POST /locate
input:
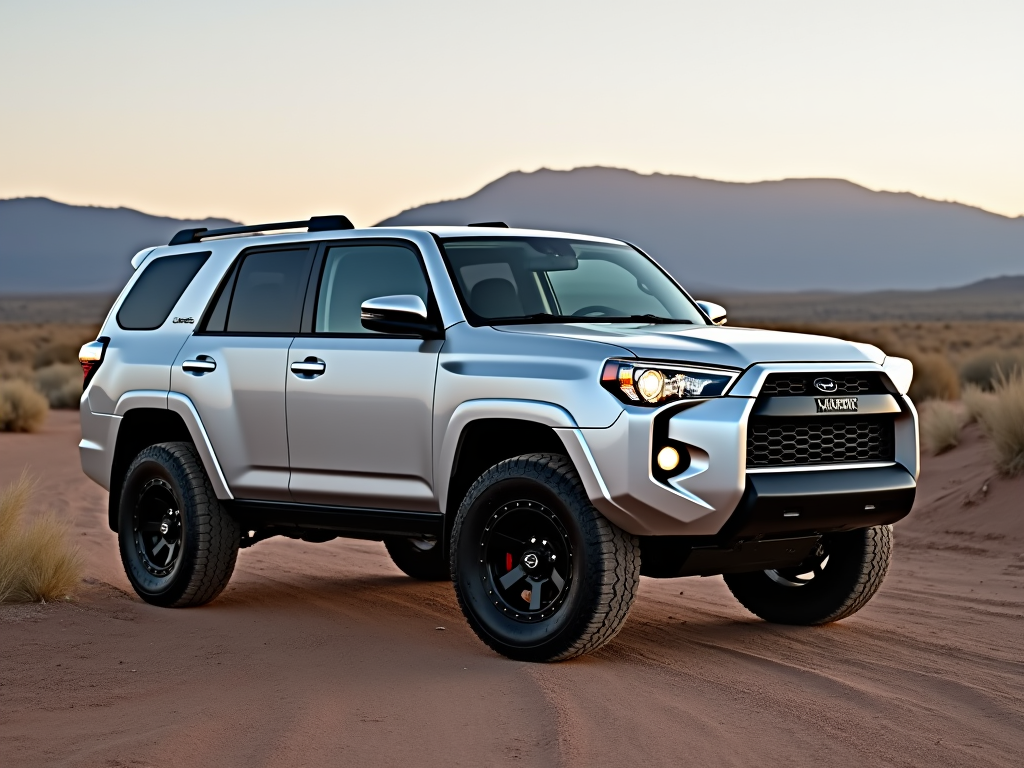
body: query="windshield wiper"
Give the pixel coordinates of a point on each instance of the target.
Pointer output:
(648, 318)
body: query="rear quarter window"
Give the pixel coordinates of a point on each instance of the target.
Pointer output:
(154, 294)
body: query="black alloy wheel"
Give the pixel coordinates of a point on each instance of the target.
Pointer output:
(835, 581)
(157, 528)
(528, 559)
(539, 573)
(178, 544)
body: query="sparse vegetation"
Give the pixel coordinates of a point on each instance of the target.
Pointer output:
(37, 563)
(22, 408)
(935, 378)
(43, 357)
(941, 423)
(1001, 415)
(984, 369)
(60, 384)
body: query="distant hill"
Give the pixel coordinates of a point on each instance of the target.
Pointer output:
(999, 298)
(48, 247)
(790, 235)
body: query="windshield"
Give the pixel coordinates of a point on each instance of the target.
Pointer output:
(545, 279)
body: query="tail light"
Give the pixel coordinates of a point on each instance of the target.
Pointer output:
(90, 356)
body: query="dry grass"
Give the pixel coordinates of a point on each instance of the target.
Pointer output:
(941, 423)
(984, 369)
(1001, 415)
(45, 356)
(22, 408)
(60, 384)
(37, 345)
(37, 562)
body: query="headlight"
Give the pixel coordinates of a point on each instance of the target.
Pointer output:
(657, 383)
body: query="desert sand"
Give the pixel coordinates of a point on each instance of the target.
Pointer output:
(324, 654)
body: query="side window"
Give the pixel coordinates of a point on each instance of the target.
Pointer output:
(354, 273)
(268, 292)
(157, 290)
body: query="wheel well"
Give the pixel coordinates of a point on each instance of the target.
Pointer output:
(140, 428)
(485, 442)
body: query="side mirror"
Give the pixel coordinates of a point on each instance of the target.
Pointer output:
(716, 312)
(404, 314)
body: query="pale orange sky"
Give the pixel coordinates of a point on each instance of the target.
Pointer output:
(264, 111)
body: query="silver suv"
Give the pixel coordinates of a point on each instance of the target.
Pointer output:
(541, 417)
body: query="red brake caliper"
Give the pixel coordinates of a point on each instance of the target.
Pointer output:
(508, 561)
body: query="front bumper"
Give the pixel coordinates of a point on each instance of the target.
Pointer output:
(716, 495)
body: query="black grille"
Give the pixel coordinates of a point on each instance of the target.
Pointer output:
(784, 384)
(777, 442)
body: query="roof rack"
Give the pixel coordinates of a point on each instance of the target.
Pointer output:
(314, 224)
(492, 224)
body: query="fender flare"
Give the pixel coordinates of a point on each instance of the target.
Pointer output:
(183, 406)
(546, 414)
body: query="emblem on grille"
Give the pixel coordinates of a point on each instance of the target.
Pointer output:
(835, 404)
(825, 385)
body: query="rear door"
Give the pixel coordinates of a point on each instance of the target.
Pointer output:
(360, 402)
(233, 368)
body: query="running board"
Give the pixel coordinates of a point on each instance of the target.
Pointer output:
(290, 517)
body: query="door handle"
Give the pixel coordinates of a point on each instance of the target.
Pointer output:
(310, 367)
(202, 364)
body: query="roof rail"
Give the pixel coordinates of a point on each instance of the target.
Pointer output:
(491, 224)
(315, 224)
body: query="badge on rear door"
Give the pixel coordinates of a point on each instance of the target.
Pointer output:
(836, 404)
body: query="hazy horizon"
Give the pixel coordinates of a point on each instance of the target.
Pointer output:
(256, 111)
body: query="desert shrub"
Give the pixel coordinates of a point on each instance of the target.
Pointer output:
(976, 402)
(37, 562)
(935, 378)
(61, 384)
(13, 371)
(1001, 415)
(940, 425)
(22, 408)
(983, 369)
(37, 345)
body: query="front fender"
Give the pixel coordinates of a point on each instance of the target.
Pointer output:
(547, 414)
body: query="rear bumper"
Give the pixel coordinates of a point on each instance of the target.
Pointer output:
(821, 502)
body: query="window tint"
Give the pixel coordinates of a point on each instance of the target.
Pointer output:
(269, 291)
(605, 283)
(157, 290)
(354, 273)
(535, 279)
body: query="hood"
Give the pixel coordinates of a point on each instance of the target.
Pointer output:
(711, 345)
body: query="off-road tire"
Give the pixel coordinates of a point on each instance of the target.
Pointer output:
(597, 590)
(414, 560)
(208, 535)
(858, 561)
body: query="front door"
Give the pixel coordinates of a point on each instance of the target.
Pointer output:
(360, 402)
(233, 368)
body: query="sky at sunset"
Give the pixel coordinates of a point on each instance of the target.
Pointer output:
(266, 111)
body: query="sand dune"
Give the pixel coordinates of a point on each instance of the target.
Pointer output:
(323, 654)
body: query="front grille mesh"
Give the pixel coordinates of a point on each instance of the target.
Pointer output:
(785, 384)
(777, 442)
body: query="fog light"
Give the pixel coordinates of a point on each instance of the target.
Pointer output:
(668, 458)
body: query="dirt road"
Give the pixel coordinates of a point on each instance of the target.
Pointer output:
(324, 654)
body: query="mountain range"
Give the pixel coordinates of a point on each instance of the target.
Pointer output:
(715, 237)
(789, 235)
(48, 247)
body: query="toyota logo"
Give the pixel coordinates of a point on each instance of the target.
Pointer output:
(531, 561)
(826, 385)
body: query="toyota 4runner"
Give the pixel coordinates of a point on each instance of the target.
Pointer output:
(541, 417)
